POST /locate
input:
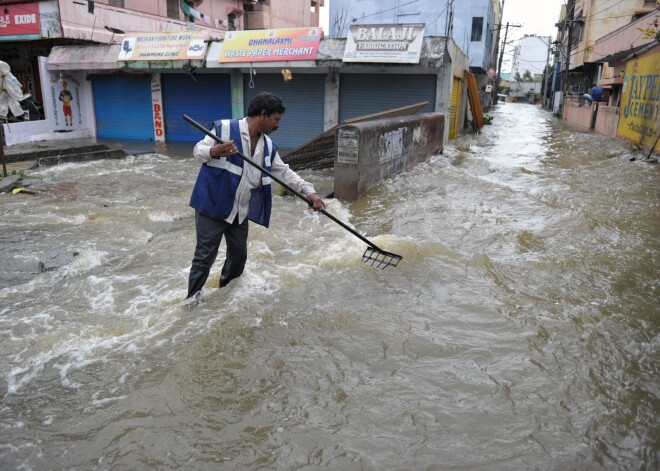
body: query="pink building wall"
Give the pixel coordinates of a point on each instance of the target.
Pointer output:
(574, 113)
(607, 120)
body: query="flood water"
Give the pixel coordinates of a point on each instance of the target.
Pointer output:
(520, 331)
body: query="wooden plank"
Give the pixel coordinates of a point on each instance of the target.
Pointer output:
(475, 103)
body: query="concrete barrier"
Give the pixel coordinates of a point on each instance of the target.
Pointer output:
(368, 152)
(582, 115)
(607, 120)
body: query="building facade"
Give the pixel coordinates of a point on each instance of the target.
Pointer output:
(94, 31)
(471, 23)
(625, 62)
(587, 21)
(140, 84)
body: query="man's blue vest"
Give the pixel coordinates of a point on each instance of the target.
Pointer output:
(218, 179)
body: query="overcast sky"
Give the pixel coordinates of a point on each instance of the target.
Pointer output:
(536, 16)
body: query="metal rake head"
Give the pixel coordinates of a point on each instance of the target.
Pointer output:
(380, 258)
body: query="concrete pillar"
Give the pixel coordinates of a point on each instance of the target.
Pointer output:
(331, 100)
(237, 103)
(370, 151)
(443, 94)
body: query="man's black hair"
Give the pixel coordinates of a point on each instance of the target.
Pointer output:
(267, 102)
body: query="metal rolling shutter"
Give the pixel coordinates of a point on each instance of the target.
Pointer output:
(122, 106)
(205, 100)
(303, 99)
(364, 94)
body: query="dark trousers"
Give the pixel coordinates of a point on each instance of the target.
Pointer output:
(209, 235)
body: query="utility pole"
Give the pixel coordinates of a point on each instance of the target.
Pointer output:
(567, 58)
(495, 55)
(449, 23)
(499, 66)
(546, 73)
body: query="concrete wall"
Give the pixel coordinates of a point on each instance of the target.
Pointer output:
(607, 120)
(368, 152)
(574, 113)
(53, 127)
(139, 15)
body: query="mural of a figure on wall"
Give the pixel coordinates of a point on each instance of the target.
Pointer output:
(66, 98)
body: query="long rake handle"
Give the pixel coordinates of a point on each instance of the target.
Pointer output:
(299, 195)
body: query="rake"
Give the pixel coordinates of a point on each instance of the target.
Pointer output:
(373, 255)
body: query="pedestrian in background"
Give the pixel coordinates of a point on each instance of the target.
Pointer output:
(595, 94)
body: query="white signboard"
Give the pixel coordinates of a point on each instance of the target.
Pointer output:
(347, 146)
(387, 43)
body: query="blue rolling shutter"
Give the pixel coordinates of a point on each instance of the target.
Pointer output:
(363, 94)
(122, 106)
(303, 99)
(205, 100)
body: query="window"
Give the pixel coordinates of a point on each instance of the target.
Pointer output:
(576, 33)
(233, 22)
(173, 9)
(116, 3)
(477, 28)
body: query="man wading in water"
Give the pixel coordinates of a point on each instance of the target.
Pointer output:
(229, 191)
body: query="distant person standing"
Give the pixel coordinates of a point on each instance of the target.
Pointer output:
(595, 94)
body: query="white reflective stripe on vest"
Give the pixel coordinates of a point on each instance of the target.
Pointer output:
(224, 131)
(266, 181)
(224, 163)
(267, 161)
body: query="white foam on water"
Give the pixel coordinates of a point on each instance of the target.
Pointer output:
(99, 402)
(85, 261)
(161, 216)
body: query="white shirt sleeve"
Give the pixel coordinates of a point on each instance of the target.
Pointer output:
(291, 178)
(202, 150)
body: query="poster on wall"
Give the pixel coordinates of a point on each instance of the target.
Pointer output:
(639, 118)
(387, 43)
(64, 102)
(20, 22)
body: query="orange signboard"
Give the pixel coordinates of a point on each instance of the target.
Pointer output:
(164, 46)
(271, 45)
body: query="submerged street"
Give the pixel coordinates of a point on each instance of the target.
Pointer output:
(520, 331)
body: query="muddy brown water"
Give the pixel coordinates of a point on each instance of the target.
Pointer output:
(521, 330)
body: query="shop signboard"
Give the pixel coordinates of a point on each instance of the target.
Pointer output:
(639, 118)
(386, 43)
(271, 45)
(20, 22)
(164, 46)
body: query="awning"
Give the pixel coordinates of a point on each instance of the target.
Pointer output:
(627, 54)
(95, 57)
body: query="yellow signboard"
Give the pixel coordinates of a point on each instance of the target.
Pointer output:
(639, 119)
(181, 45)
(271, 45)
